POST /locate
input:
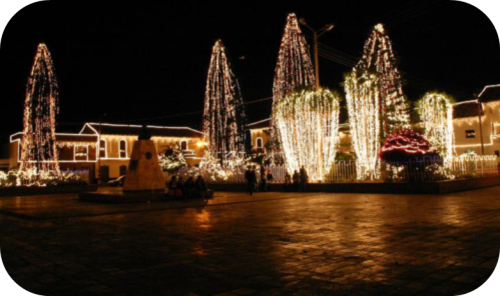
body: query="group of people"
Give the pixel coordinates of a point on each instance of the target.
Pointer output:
(190, 189)
(297, 182)
(258, 184)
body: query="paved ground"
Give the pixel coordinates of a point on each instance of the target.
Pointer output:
(271, 244)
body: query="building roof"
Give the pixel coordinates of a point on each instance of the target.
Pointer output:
(133, 130)
(490, 93)
(466, 109)
(266, 123)
(60, 137)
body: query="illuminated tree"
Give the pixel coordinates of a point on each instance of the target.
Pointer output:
(224, 117)
(378, 57)
(364, 107)
(294, 70)
(405, 145)
(436, 114)
(38, 148)
(308, 122)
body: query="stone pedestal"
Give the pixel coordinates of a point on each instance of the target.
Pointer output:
(144, 172)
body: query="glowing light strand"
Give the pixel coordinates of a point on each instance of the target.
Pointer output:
(224, 117)
(378, 57)
(308, 122)
(294, 70)
(39, 150)
(364, 108)
(436, 114)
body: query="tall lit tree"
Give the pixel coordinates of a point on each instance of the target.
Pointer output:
(364, 106)
(378, 57)
(38, 148)
(224, 117)
(436, 114)
(294, 70)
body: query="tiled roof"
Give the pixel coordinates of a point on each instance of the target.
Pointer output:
(490, 93)
(133, 130)
(466, 109)
(266, 123)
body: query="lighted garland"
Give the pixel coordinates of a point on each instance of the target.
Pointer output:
(436, 114)
(364, 107)
(224, 117)
(38, 148)
(308, 122)
(378, 57)
(294, 70)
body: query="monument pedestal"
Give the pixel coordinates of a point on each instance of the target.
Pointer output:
(144, 172)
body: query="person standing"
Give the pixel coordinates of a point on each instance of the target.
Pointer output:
(288, 182)
(251, 179)
(304, 178)
(296, 181)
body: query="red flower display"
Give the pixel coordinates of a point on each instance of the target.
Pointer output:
(404, 145)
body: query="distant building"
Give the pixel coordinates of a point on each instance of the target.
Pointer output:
(466, 118)
(110, 145)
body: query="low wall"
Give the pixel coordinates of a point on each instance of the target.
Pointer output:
(20, 191)
(441, 187)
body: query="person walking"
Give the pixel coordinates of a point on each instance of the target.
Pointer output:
(251, 179)
(304, 178)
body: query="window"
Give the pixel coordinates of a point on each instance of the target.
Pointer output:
(102, 149)
(82, 153)
(122, 148)
(469, 134)
(497, 153)
(184, 145)
(260, 143)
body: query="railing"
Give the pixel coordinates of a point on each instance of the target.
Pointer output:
(429, 169)
(30, 179)
(341, 171)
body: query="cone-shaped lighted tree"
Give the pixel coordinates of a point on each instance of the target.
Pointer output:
(364, 105)
(436, 114)
(378, 57)
(294, 70)
(38, 148)
(224, 117)
(374, 89)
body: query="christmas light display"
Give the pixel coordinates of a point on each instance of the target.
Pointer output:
(378, 57)
(38, 148)
(173, 159)
(224, 117)
(436, 114)
(364, 107)
(308, 122)
(294, 70)
(404, 145)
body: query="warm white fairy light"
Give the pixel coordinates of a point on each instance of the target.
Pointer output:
(224, 116)
(436, 114)
(364, 106)
(308, 122)
(378, 57)
(38, 148)
(294, 70)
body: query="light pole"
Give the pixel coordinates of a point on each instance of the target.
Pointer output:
(316, 35)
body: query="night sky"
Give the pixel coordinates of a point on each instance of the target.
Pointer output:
(137, 63)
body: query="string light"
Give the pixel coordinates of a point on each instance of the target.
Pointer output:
(436, 114)
(364, 106)
(308, 122)
(378, 57)
(294, 70)
(224, 116)
(39, 150)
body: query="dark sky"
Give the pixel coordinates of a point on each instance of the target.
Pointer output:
(135, 62)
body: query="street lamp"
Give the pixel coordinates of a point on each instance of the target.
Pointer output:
(316, 35)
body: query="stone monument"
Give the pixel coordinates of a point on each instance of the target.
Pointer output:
(144, 172)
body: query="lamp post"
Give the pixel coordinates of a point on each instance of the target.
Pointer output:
(316, 35)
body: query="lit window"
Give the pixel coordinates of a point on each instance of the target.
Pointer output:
(260, 143)
(102, 149)
(469, 134)
(81, 153)
(123, 149)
